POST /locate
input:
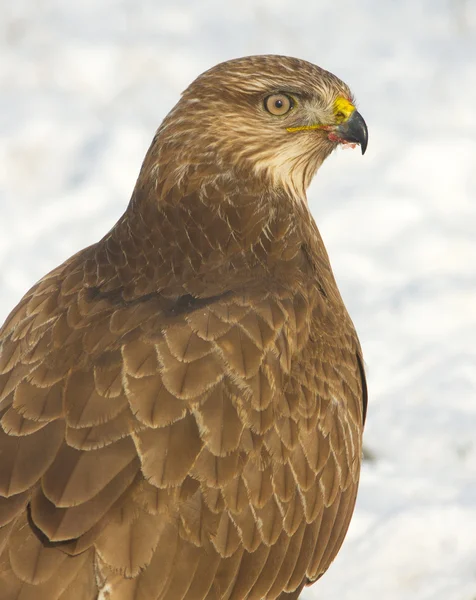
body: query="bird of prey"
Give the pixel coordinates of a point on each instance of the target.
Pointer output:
(182, 403)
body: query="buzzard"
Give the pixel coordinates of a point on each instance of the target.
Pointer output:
(182, 403)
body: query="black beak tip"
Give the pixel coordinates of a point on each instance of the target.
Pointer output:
(355, 130)
(363, 146)
(358, 128)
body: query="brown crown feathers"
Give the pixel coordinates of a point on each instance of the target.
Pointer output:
(182, 403)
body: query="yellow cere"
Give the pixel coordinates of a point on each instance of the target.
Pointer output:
(342, 109)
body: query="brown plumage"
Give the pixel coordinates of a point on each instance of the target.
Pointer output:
(182, 403)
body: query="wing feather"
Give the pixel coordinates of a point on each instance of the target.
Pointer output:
(201, 453)
(22, 464)
(30, 560)
(166, 458)
(251, 567)
(76, 476)
(129, 540)
(272, 567)
(59, 523)
(84, 406)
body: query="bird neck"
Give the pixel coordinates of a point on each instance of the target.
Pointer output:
(202, 234)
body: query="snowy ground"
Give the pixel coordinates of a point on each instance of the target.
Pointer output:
(83, 85)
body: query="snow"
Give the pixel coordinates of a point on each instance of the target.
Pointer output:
(84, 85)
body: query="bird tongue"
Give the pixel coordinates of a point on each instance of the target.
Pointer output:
(335, 138)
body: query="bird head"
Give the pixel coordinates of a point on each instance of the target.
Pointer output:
(272, 116)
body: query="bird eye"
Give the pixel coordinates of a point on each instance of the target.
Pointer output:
(279, 104)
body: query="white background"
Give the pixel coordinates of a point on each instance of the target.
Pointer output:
(83, 86)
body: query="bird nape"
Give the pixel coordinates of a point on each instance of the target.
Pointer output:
(182, 403)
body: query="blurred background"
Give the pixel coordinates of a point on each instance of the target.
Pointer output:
(84, 85)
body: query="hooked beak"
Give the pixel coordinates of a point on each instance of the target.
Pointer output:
(354, 131)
